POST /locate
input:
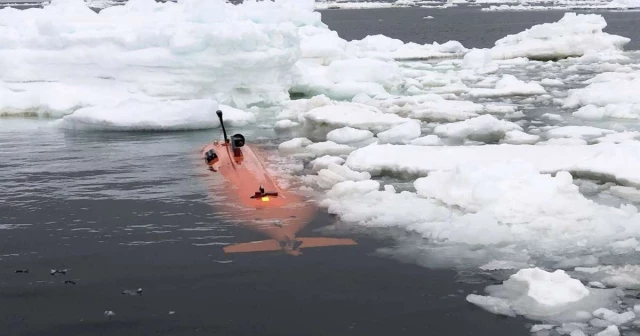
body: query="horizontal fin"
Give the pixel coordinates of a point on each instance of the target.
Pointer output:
(274, 245)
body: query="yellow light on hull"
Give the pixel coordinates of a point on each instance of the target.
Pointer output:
(265, 199)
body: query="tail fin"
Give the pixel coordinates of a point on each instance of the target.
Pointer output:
(322, 242)
(256, 246)
(274, 245)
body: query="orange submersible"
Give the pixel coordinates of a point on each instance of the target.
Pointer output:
(256, 201)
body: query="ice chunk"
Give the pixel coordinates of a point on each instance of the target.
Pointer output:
(628, 193)
(285, 124)
(591, 57)
(625, 276)
(483, 128)
(347, 135)
(597, 284)
(293, 109)
(365, 71)
(517, 137)
(624, 4)
(334, 173)
(502, 265)
(573, 35)
(344, 79)
(613, 91)
(509, 85)
(619, 137)
(540, 327)
(400, 133)
(499, 109)
(328, 148)
(547, 296)
(582, 132)
(445, 110)
(321, 45)
(614, 317)
(477, 58)
(589, 260)
(352, 188)
(626, 245)
(618, 161)
(619, 111)
(383, 47)
(511, 193)
(294, 144)
(187, 50)
(429, 140)
(609, 331)
(162, 115)
(430, 107)
(324, 161)
(491, 304)
(353, 115)
(493, 204)
(552, 116)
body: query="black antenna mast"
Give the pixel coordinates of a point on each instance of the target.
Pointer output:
(224, 131)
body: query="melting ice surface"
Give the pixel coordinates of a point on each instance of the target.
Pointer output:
(495, 160)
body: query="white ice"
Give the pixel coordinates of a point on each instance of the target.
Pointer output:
(163, 115)
(335, 173)
(582, 132)
(571, 36)
(402, 133)
(607, 95)
(161, 49)
(483, 128)
(428, 140)
(509, 85)
(324, 161)
(541, 295)
(428, 107)
(516, 137)
(354, 115)
(346, 135)
(619, 162)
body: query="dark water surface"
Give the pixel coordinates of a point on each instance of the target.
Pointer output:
(468, 25)
(129, 210)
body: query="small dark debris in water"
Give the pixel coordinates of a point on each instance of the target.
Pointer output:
(70, 282)
(22, 271)
(56, 272)
(132, 292)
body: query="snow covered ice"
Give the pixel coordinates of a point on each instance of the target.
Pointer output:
(552, 296)
(573, 35)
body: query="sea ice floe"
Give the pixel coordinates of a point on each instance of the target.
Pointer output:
(548, 296)
(572, 36)
(159, 115)
(484, 128)
(619, 162)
